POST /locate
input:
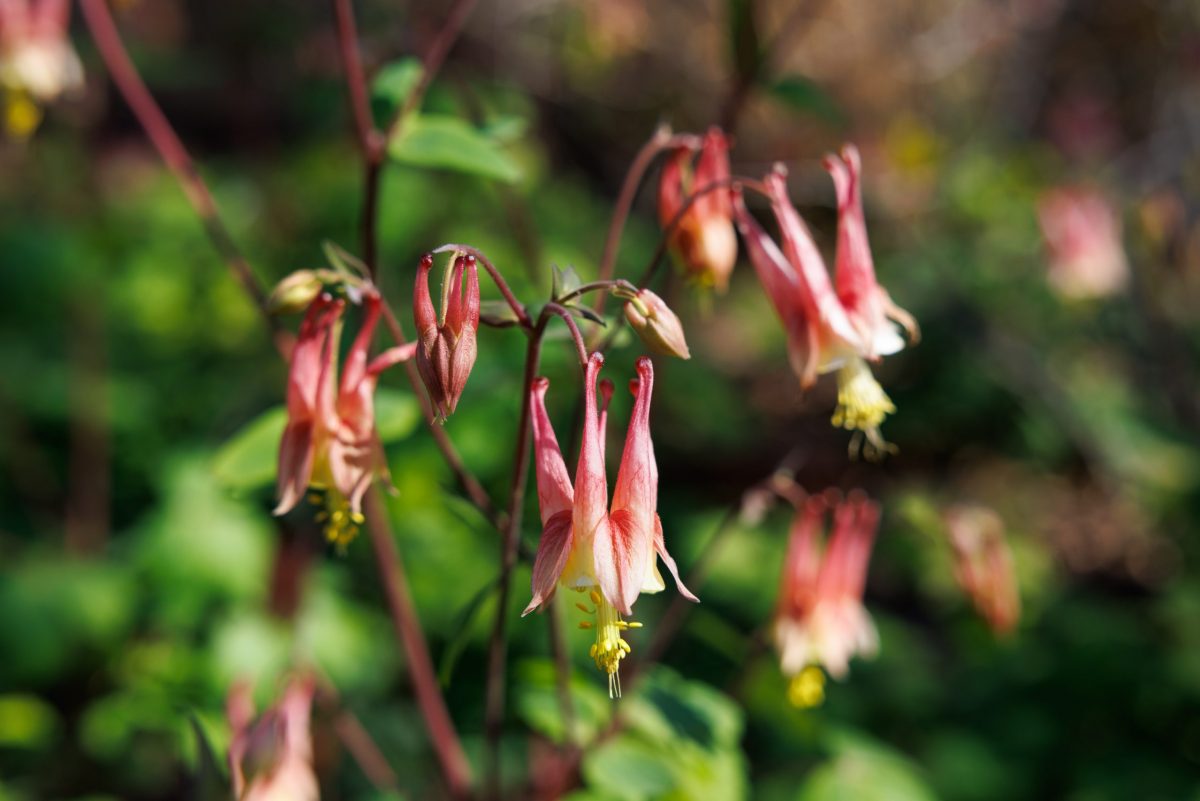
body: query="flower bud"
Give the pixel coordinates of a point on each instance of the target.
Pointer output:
(447, 348)
(703, 238)
(295, 292)
(658, 326)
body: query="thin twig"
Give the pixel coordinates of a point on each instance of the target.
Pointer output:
(431, 63)
(662, 139)
(475, 491)
(573, 327)
(592, 286)
(497, 648)
(169, 146)
(442, 734)
(498, 279)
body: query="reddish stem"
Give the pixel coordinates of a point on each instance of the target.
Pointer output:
(573, 327)
(661, 140)
(436, 53)
(170, 148)
(497, 649)
(420, 666)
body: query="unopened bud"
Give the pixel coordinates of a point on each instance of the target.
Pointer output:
(658, 326)
(295, 292)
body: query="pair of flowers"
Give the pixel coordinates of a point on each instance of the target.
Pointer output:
(330, 442)
(830, 325)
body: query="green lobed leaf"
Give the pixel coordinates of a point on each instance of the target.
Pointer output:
(439, 141)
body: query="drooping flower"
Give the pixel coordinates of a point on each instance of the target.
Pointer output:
(831, 325)
(1083, 242)
(983, 564)
(271, 759)
(820, 621)
(330, 443)
(37, 61)
(609, 552)
(657, 326)
(703, 240)
(447, 350)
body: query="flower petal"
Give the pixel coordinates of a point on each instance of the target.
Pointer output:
(555, 494)
(660, 547)
(554, 549)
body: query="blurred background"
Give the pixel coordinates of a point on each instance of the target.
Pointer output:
(1031, 185)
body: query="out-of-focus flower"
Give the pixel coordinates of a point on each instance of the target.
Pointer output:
(820, 621)
(703, 240)
(831, 325)
(37, 62)
(658, 326)
(983, 564)
(1083, 243)
(330, 442)
(609, 553)
(271, 759)
(447, 352)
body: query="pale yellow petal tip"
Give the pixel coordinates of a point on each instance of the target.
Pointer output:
(806, 690)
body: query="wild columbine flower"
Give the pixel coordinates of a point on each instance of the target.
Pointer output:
(609, 553)
(447, 350)
(271, 759)
(330, 442)
(1083, 242)
(657, 326)
(704, 239)
(820, 621)
(37, 62)
(831, 325)
(983, 564)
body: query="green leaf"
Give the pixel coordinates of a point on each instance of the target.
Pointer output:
(537, 702)
(497, 313)
(248, 460)
(564, 281)
(443, 142)
(392, 86)
(397, 414)
(629, 769)
(804, 96)
(343, 260)
(865, 771)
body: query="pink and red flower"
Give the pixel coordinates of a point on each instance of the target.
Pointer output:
(820, 621)
(1083, 242)
(839, 324)
(703, 239)
(586, 544)
(330, 442)
(271, 759)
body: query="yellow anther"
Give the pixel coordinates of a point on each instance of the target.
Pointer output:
(807, 688)
(587, 610)
(596, 597)
(633, 624)
(862, 407)
(585, 624)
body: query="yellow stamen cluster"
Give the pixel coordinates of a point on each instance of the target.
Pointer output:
(341, 522)
(807, 688)
(862, 407)
(610, 647)
(21, 114)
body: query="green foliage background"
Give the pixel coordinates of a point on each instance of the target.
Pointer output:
(137, 435)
